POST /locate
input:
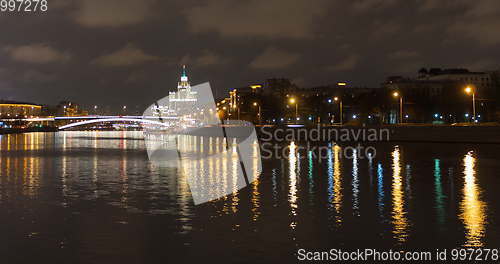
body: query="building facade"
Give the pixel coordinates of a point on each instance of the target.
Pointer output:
(10, 109)
(438, 95)
(481, 81)
(180, 100)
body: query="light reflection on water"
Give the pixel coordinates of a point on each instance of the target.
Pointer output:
(399, 218)
(439, 194)
(355, 183)
(380, 189)
(292, 195)
(111, 169)
(472, 208)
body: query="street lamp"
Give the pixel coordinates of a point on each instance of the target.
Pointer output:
(396, 95)
(293, 101)
(337, 99)
(469, 90)
(259, 112)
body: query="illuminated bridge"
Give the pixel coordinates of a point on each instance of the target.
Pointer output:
(85, 120)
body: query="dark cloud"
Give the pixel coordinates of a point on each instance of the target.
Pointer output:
(115, 48)
(346, 64)
(404, 54)
(264, 18)
(126, 56)
(35, 76)
(112, 13)
(273, 58)
(37, 53)
(372, 5)
(204, 59)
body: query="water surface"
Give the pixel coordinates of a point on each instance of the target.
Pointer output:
(93, 197)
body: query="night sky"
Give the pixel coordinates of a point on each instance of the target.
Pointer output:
(129, 52)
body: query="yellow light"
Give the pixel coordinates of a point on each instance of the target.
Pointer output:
(335, 98)
(341, 84)
(395, 94)
(255, 86)
(473, 208)
(468, 89)
(292, 100)
(224, 108)
(255, 104)
(21, 105)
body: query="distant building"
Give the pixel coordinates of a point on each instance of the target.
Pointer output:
(180, 100)
(68, 108)
(279, 86)
(419, 87)
(11, 109)
(322, 102)
(482, 81)
(437, 95)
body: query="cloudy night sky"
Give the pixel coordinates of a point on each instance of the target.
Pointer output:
(115, 52)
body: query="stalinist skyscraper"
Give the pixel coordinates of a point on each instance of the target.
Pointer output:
(184, 98)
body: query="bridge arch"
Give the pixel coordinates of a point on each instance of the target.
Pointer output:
(86, 122)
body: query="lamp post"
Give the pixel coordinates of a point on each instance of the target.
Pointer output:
(259, 112)
(336, 99)
(396, 95)
(332, 119)
(469, 90)
(294, 101)
(238, 109)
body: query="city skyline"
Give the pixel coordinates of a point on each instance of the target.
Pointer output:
(255, 131)
(134, 55)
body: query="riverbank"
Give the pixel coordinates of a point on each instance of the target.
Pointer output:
(4, 131)
(392, 133)
(452, 134)
(389, 133)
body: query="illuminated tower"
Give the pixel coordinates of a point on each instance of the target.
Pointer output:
(181, 100)
(183, 85)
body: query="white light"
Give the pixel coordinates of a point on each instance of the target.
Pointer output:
(354, 116)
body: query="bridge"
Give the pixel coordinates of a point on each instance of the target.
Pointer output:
(85, 120)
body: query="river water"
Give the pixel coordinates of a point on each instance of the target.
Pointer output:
(94, 197)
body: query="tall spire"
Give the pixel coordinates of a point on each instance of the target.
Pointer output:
(184, 74)
(184, 78)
